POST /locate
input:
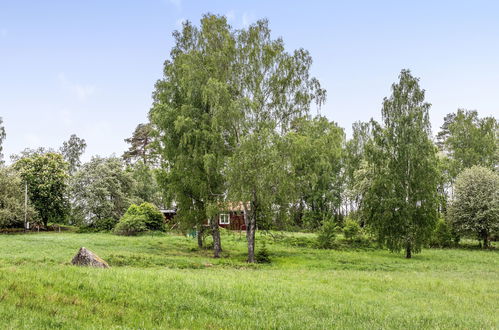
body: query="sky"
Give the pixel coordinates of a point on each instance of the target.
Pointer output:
(89, 67)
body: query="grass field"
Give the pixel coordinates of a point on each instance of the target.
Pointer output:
(165, 282)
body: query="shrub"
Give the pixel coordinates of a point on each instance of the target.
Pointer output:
(131, 225)
(352, 230)
(104, 224)
(263, 255)
(313, 220)
(327, 235)
(442, 235)
(154, 219)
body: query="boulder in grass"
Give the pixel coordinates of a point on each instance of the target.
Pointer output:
(86, 257)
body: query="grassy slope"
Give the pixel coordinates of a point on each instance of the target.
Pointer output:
(164, 282)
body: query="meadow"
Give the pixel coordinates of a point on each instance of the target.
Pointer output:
(164, 281)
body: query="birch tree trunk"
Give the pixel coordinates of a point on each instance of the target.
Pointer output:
(217, 244)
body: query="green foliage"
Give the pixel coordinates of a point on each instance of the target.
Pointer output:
(312, 219)
(2, 138)
(141, 145)
(469, 140)
(475, 208)
(255, 173)
(46, 176)
(131, 225)
(212, 116)
(442, 235)
(104, 224)
(72, 150)
(154, 219)
(101, 189)
(275, 89)
(326, 237)
(262, 256)
(352, 230)
(193, 111)
(147, 187)
(400, 200)
(12, 200)
(354, 165)
(315, 151)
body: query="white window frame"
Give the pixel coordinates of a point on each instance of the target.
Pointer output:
(224, 219)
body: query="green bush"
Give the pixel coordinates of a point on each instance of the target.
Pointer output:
(312, 219)
(131, 225)
(104, 224)
(442, 235)
(352, 230)
(263, 255)
(327, 235)
(154, 219)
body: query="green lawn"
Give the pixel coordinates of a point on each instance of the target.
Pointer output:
(164, 282)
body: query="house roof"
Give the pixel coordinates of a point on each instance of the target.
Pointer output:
(234, 206)
(168, 211)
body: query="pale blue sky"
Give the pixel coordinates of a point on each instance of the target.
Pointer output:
(89, 67)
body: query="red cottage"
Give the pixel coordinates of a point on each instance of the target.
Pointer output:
(231, 217)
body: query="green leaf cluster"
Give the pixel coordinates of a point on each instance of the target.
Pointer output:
(12, 208)
(400, 203)
(154, 219)
(475, 207)
(46, 175)
(101, 189)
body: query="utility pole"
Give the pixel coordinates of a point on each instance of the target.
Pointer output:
(26, 225)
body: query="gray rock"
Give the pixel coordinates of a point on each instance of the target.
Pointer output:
(86, 257)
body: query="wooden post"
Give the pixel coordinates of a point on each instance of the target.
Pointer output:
(26, 207)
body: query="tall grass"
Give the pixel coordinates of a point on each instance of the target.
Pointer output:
(165, 282)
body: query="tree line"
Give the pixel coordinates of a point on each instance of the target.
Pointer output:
(232, 121)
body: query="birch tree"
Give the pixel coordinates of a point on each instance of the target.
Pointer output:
(469, 140)
(193, 110)
(72, 150)
(274, 88)
(401, 200)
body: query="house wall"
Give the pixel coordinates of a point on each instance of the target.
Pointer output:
(236, 221)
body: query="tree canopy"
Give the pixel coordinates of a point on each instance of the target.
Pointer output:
(140, 145)
(315, 151)
(2, 138)
(469, 140)
(274, 88)
(46, 175)
(401, 203)
(12, 200)
(192, 105)
(72, 150)
(101, 190)
(475, 207)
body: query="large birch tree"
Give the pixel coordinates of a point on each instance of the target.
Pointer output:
(193, 112)
(401, 200)
(274, 88)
